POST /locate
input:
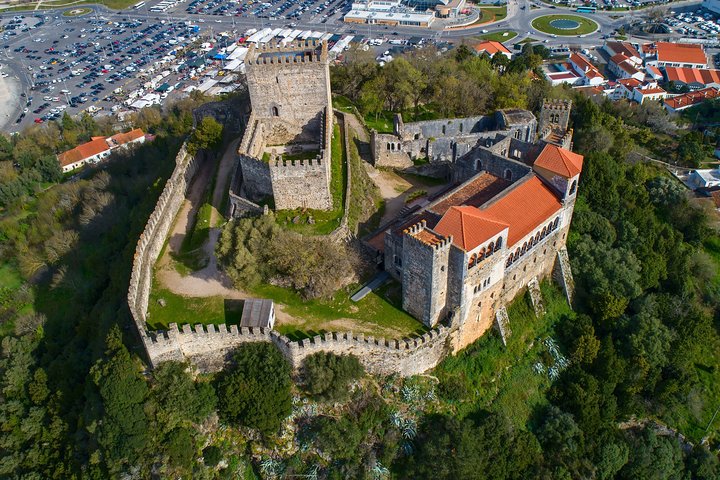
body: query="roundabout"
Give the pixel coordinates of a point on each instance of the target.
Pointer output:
(564, 25)
(76, 12)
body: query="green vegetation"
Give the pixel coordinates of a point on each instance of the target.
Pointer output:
(309, 221)
(255, 391)
(166, 307)
(365, 198)
(492, 14)
(501, 36)
(206, 136)
(585, 26)
(379, 313)
(328, 376)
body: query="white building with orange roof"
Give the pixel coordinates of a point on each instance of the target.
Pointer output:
(666, 54)
(491, 47)
(98, 149)
(589, 74)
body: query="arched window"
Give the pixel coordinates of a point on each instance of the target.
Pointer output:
(481, 256)
(392, 147)
(544, 232)
(489, 249)
(508, 174)
(461, 127)
(473, 261)
(443, 129)
(517, 254)
(509, 261)
(498, 244)
(537, 237)
(275, 112)
(478, 165)
(549, 227)
(556, 222)
(573, 187)
(388, 146)
(524, 249)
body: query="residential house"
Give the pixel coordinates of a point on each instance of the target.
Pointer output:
(589, 74)
(491, 47)
(625, 49)
(97, 149)
(623, 67)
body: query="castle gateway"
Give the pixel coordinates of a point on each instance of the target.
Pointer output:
(284, 154)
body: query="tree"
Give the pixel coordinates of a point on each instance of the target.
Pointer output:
(691, 150)
(123, 433)
(255, 391)
(206, 136)
(327, 376)
(179, 399)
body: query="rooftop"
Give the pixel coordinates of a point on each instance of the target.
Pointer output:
(491, 47)
(680, 53)
(560, 161)
(256, 313)
(475, 192)
(624, 48)
(81, 152)
(692, 98)
(468, 227)
(692, 75)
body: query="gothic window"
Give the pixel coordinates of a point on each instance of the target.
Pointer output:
(275, 112)
(524, 249)
(473, 261)
(549, 228)
(443, 129)
(461, 127)
(509, 261)
(517, 254)
(489, 249)
(537, 237)
(498, 244)
(482, 255)
(417, 136)
(478, 165)
(388, 146)
(573, 187)
(556, 222)
(544, 232)
(277, 80)
(508, 174)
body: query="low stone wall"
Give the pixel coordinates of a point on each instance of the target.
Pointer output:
(210, 347)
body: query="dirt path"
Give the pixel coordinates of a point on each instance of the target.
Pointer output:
(224, 175)
(394, 189)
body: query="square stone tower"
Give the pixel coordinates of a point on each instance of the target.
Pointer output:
(285, 151)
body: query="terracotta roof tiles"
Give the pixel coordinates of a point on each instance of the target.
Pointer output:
(560, 161)
(680, 53)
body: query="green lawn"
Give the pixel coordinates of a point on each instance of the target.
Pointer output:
(190, 310)
(9, 277)
(543, 24)
(76, 12)
(492, 14)
(501, 36)
(379, 314)
(501, 378)
(325, 221)
(113, 4)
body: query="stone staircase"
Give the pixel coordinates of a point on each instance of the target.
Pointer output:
(536, 297)
(563, 274)
(502, 323)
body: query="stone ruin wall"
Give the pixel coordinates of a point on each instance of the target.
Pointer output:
(210, 347)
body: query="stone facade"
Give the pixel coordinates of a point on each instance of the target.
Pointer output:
(469, 252)
(449, 139)
(291, 117)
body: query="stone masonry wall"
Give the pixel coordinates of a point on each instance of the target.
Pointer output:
(210, 347)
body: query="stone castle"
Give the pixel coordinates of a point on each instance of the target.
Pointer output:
(285, 154)
(502, 227)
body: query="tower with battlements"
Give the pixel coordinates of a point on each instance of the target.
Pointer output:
(285, 150)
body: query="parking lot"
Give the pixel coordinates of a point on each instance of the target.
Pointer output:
(89, 61)
(319, 11)
(699, 24)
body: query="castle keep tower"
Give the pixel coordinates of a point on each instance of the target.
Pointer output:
(554, 121)
(285, 151)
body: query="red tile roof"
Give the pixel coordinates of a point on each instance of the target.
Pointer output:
(491, 47)
(468, 226)
(692, 75)
(525, 208)
(624, 48)
(680, 53)
(123, 138)
(630, 83)
(560, 161)
(521, 210)
(692, 98)
(84, 151)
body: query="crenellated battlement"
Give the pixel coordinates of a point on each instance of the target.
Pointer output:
(297, 52)
(426, 236)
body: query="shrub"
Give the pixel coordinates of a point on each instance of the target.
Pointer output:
(212, 455)
(255, 392)
(327, 375)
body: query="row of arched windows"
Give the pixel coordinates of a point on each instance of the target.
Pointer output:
(507, 174)
(393, 146)
(485, 252)
(532, 241)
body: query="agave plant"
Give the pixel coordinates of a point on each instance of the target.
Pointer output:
(410, 393)
(379, 471)
(271, 467)
(407, 447)
(409, 429)
(397, 419)
(539, 368)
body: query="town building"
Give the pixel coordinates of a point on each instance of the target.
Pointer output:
(387, 12)
(502, 227)
(712, 5)
(692, 78)
(666, 54)
(588, 73)
(678, 103)
(623, 67)
(97, 149)
(491, 47)
(626, 49)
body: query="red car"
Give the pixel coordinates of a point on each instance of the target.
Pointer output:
(38, 120)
